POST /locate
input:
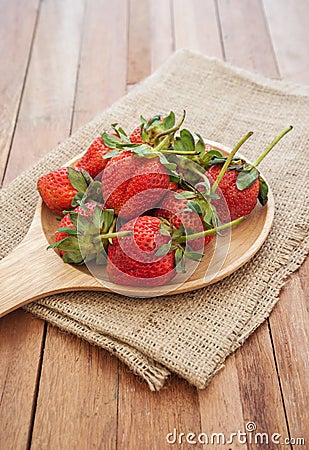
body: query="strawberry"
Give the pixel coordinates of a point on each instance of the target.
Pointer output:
(241, 184)
(239, 202)
(135, 136)
(132, 260)
(63, 189)
(172, 186)
(78, 236)
(92, 161)
(175, 209)
(57, 190)
(132, 184)
(148, 251)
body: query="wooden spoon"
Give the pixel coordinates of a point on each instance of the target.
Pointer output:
(30, 272)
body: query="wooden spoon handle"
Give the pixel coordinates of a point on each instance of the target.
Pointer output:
(31, 272)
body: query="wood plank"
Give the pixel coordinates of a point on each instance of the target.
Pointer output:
(259, 387)
(42, 121)
(96, 397)
(17, 28)
(45, 114)
(21, 338)
(77, 402)
(150, 37)
(245, 36)
(161, 31)
(289, 30)
(103, 64)
(146, 418)
(287, 322)
(241, 49)
(220, 406)
(196, 27)
(289, 325)
(139, 59)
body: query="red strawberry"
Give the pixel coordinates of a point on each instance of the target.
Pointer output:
(132, 259)
(239, 202)
(92, 161)
(132, 185)
(148, 252)
(173, 186)
(56, 189)
(241, 184)
(171, 205)
(135, 136)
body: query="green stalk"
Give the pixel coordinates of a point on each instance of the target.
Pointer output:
(116, 234)
(229, 159)
(271, 146)
(166, 140)
(173, 152)
(190, 237)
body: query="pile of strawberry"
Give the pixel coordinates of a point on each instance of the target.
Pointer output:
(145, 203)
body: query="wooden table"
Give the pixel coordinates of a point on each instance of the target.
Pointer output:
(57, 392)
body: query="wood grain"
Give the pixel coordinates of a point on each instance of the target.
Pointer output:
(42, 123)
(220, 405)
(289, 31)
(259, 388)
(139, 59)
(245, 36)
(145, 418)
(77, 400)
(161, 31)
(289, 325)
(196, 27)
(103, 63)
(17, 28)
(45, 113)
(97, 87)
(262, 58)
(21, 338)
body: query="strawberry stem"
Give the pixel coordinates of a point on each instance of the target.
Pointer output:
(271, 146)
(165, 142)
(116, 234)
(190, 237)
(173, 152)
(229, 159)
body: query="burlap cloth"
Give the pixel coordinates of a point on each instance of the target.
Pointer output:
(190, 334)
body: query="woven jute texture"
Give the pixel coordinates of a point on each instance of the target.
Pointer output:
(189, 334)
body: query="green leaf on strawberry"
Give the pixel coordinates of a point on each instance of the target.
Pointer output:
(263, 191)
(247, 177)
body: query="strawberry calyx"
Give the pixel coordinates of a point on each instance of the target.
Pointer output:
(196, 150)
(121, 142)
(153, 130)
(84, 242)
(88, 188)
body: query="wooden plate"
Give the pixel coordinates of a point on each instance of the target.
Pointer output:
(29, 272)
